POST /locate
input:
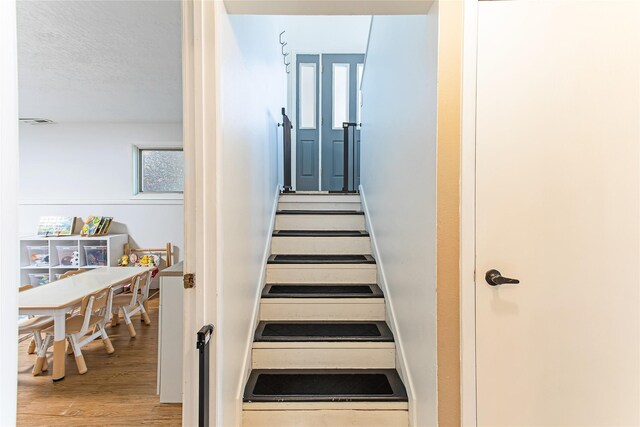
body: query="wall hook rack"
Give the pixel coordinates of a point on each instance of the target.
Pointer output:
(284, 54)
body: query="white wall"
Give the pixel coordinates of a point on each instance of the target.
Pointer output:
(252, 90)
(83, 169)
(399, 183)
(329, 34)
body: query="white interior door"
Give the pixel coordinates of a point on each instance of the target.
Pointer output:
(558, 181)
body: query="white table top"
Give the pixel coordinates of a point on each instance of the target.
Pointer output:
(67, 292)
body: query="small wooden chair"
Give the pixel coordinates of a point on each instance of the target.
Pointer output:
(132, 303)
(94, 314)
(33, 325)
(71, 273)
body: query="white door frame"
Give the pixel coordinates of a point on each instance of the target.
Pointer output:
(9, 238)
(201, 136)
(467, 217)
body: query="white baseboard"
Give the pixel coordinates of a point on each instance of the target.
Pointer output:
(401, 362)
(255, 316)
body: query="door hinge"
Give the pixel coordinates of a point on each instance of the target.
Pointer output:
(189, 280)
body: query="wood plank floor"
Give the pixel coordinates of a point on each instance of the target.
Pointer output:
(118, 390)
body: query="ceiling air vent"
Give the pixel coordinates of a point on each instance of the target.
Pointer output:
(34, 121)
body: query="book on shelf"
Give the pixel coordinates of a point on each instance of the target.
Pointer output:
(96, 226)
(56, 226)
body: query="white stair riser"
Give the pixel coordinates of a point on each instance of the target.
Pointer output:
(321, 273)
(319, 206)
(321, 198)
(320, 245)
(319, 222)
(325, 418)
(322, 309)
(323, 358)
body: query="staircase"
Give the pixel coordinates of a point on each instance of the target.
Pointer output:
(323, 354)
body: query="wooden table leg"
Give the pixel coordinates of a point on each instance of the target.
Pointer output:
(59, 346)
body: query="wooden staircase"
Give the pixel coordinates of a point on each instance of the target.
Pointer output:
(323, 354)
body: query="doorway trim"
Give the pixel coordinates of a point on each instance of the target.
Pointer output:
(9, 237)
(201, 136)
(468, 388)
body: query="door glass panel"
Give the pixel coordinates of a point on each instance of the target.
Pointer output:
(307, 92)
(359, 107)
(340, 95)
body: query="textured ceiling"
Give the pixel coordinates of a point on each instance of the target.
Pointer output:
(116, 61)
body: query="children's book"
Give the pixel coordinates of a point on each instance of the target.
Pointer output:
(107, 224)
(91, 225)
(56, 226)
(96, 225)
(86, 226)
(98, 229)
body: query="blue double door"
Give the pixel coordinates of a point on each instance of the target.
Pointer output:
(327, 94)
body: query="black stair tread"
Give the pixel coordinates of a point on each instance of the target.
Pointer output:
(325, 385)
(317, 212)
(321, 259)
(322, 291)
(320, 233)
(334, 331)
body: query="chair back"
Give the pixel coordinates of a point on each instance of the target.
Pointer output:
(71, 273)
(145, 284)
(96, 304)
(134, 288)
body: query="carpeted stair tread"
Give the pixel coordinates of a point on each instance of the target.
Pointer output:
(324, 385)
(322, 291)
(318, 212)
(328, 331)
(320, 233)
(321, 259)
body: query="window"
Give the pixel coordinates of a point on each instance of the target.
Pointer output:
(159, 170)
(307, 92)
(340, 95)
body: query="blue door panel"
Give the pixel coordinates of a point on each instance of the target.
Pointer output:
(332, 139)
(307, 140)
(308, 164)
(337, 161)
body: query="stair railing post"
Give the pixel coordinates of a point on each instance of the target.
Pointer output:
(345, 154)
(347, 148)
(286, 141)
(203, 337)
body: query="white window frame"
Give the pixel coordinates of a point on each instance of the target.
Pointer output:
(136, 171)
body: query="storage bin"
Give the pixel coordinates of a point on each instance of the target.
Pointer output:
(68, 256)
(96, 255)
(37, 279)
(38, 256)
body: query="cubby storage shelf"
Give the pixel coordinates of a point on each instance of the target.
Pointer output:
(114, 243)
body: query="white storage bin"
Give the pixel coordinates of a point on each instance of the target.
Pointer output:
(68, 256)
(38, 256)
(37, 279)
(96, 255)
